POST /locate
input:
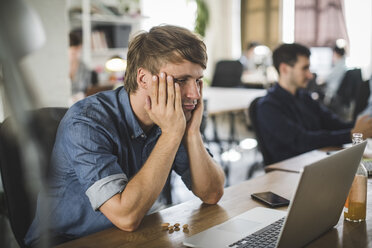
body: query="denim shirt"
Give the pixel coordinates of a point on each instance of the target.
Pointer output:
(99, 147)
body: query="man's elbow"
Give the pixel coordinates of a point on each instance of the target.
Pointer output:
(213, 198)
(128, 224)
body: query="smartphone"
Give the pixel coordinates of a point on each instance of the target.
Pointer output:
(271, 199)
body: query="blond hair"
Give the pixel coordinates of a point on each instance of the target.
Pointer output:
(162, 44)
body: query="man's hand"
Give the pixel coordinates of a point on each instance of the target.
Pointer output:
(193, 125)
(363, 125)
(164, 105)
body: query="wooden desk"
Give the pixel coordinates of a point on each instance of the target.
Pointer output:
(235, 201)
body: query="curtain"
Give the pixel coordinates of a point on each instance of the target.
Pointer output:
(319, 23)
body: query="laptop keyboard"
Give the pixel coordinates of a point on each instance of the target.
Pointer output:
(266, 237)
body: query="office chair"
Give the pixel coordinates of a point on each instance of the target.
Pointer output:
(20, 201)
(227, 73)
(361, 99)
(343, 103)
(252, 113)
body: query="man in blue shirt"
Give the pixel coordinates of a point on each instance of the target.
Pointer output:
(289, 121)
(115, 150)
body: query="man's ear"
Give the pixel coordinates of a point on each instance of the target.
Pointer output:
(283, 68)
(143, 77)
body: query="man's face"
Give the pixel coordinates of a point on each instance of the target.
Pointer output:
(189, 76)
(299, 74)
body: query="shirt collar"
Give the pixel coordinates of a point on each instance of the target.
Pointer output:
(285, 94)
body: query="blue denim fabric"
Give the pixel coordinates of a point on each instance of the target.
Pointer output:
(99, 147)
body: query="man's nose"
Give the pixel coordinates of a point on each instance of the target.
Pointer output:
(192, 90)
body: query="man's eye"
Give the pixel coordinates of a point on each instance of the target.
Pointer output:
(180, 81)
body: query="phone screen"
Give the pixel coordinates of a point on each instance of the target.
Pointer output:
(271, 199)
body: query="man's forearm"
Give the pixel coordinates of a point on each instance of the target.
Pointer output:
(207, 176)
(127, 209)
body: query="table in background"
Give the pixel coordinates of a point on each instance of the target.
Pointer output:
(236, 200)
(231, 101)
(222, 100)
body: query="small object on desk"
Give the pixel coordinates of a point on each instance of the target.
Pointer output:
(170, 228)
(164, 226)
(171, 231)
(177, 229)
(177, 225)
(271, 199)
(332, 152)
(185, 226)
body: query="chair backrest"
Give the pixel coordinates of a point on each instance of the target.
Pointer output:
(21, 203)
(252, 113)
(362, 98)
(350, 85)
(227, 73)
(347, 93)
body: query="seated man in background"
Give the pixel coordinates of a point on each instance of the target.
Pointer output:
(337, 73)
(79, 74)
(289, 121)
(247, 58)
(115, 150)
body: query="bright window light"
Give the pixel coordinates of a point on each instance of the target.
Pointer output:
(359, 36)
(175, 12)
(288, 17)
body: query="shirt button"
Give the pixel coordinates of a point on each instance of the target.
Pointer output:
(132, 136)
(142, 136)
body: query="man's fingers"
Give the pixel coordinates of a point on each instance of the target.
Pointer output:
(155, 88)
(162, 98)
(178, 100)
(170, 91)
(147, 104)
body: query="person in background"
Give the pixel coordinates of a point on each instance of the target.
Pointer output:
(115, 150)
(247, 58)
(80, 75)
(337, 73)
(289, 121)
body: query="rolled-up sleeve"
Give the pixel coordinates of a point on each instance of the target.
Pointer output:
(104, 189)
(91, 150)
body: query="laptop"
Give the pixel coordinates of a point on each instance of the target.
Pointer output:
(314, 209)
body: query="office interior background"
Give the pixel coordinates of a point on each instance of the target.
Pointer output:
(231, 25)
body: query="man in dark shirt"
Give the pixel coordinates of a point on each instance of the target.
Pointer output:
(115, 150)
(289, 121)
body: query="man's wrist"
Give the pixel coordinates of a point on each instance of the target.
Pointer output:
(192, 136)
(172, 138)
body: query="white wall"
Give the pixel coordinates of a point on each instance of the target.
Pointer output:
(220, 33)
(49, 65)
(47, 68)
